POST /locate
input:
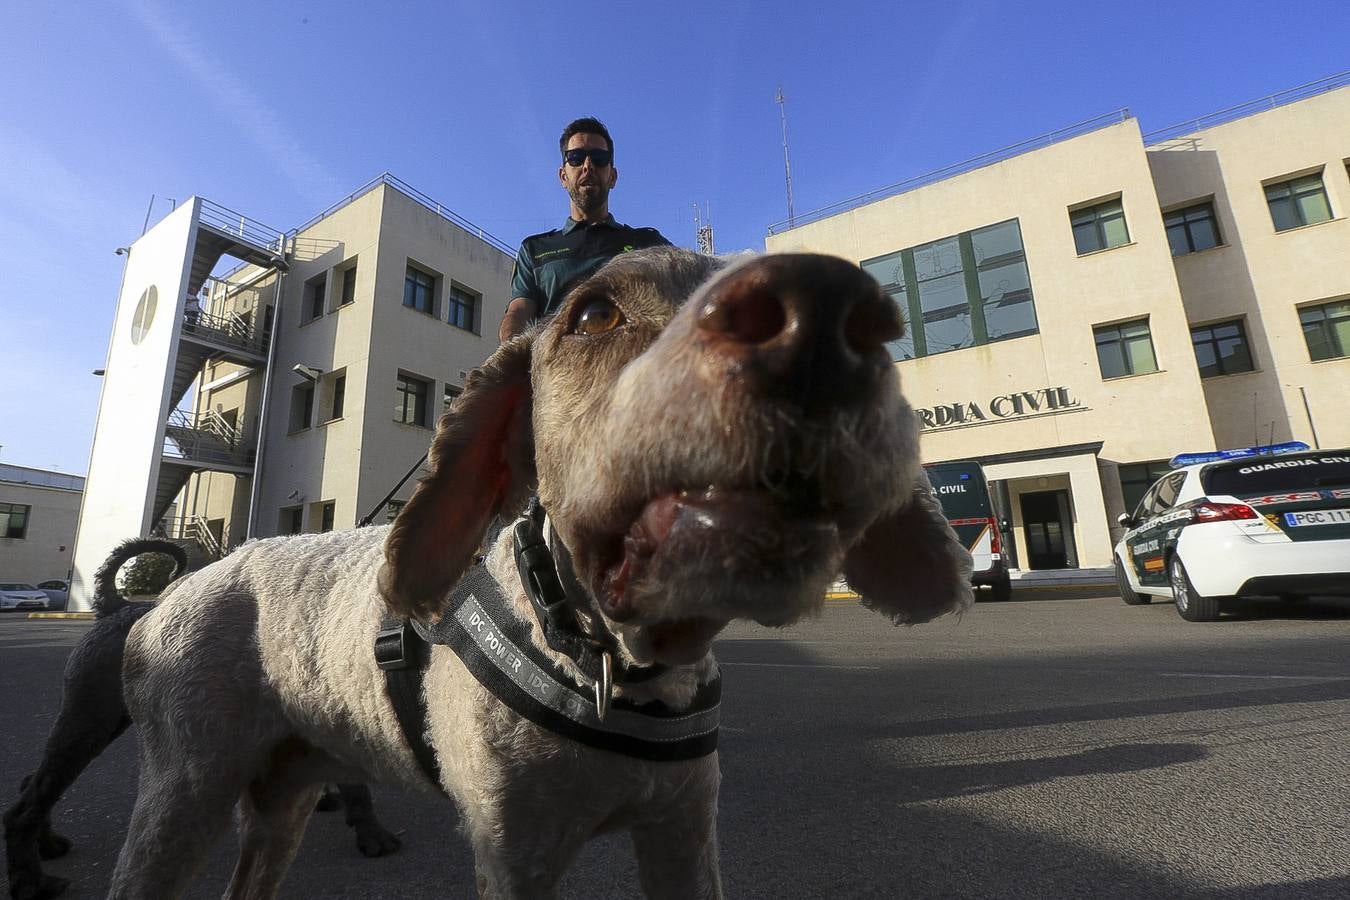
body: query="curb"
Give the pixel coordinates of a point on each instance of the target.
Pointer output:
(81, 616)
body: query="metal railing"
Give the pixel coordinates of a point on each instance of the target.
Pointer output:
(414, 194)
(1242, 110)
(193, 529)
(238, 225)
(234, 330)
(977, 162)
(206, 437)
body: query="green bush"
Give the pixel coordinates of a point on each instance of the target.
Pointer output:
(148, 573)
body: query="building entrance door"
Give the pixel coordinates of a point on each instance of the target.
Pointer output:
(1044, 528)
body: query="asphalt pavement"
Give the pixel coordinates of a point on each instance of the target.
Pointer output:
(1061, 745)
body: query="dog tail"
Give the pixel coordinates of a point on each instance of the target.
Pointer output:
(107, 599)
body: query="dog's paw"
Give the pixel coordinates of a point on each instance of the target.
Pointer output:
(53, 846)
(372, 841)
(329, 801)
(46, 887)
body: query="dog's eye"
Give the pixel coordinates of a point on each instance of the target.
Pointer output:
(597, 317)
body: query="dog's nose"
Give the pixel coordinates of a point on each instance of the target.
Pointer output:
(802, 326)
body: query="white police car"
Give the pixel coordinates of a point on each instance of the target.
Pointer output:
(1259, 521)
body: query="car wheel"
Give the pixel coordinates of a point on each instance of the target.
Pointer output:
(1001, 590)
(1192, 606)
(1127, 593)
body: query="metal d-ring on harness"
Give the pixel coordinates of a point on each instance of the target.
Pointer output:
(539, 564)
(497, 648)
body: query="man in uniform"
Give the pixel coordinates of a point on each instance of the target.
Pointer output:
(550, 263)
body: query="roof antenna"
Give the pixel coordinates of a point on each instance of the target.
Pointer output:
(787, 160)
(704, 230)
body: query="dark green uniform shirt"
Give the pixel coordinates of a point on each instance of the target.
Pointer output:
(550, 263)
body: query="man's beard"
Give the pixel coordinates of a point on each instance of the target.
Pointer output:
(592, 201)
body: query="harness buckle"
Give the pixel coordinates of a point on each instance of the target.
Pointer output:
(400, 646)
(604, 688)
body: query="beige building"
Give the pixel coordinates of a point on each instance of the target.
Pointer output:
(276, 382)
(38, 512)
(386, 305)
(1085, 306)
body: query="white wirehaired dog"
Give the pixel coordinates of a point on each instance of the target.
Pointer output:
(710, 441)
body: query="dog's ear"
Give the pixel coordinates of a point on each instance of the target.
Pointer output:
(909, 565)
(481, 463)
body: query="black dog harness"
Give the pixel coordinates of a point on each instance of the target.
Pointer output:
(497, 648)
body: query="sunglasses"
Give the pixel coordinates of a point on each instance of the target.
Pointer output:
(577, 158)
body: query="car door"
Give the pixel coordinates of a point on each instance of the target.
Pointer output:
(1148, 542)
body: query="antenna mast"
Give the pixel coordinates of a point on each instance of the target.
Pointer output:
(787, 160)
(704, 230)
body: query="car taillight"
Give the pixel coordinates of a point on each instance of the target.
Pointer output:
(1223, 512)
(995, 545)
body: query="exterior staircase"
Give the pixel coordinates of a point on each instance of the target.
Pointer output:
(205, 441)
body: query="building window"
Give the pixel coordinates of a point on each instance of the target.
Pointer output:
(463, 308)
(314, 292)
(348, 285)
(969, 289)
(302, 406)
(419, 290)
(1099, 227)
(451, 392)
(1125, 349)
(14, 520)
(1326, 328)
(1298, 202)
(889, 271)
(410, 400)
(1192, 229)
(337, 394)
(392, 509)
(1135, 479)
(327, 513)
(1221, 349)
(292, 520)
(1005, 284)
(943, 303)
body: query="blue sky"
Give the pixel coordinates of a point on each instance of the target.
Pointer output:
(280, 109)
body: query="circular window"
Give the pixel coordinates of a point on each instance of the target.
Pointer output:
(145, 314)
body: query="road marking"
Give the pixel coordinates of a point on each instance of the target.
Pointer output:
(797, 666)
(1264, 677)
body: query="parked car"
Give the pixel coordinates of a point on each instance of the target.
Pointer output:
(18, 595)
(1238, 523)
(57, 593)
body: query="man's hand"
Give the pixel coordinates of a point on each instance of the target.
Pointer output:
(519, 313)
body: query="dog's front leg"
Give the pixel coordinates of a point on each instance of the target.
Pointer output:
(677, 846)
(678, 859)
(524, 841)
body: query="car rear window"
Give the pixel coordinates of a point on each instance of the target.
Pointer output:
(1303, 472)
(961, 490)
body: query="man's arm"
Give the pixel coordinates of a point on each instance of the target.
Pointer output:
(524, 305)
(519, 313)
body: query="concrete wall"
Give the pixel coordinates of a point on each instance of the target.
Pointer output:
(45, 552)
(355, 460)
(134, 403)
(1261, 275)
(411, 341)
